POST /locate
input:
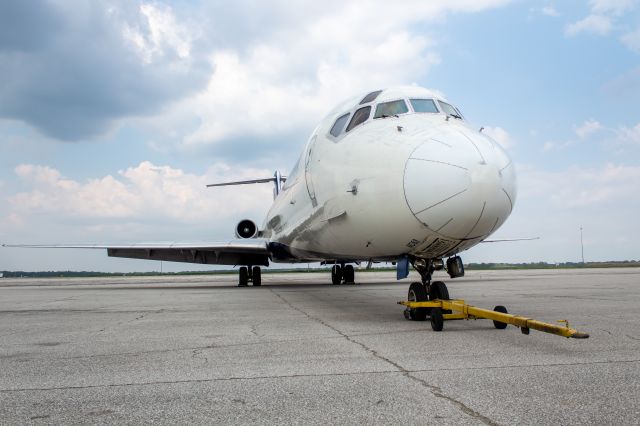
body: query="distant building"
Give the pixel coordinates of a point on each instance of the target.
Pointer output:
(1, 274)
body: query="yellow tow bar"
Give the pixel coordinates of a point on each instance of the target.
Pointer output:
(499, 316)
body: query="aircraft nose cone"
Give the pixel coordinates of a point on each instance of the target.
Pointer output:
(462, 188)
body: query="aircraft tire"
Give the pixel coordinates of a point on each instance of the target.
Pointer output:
(336, 274)
(439, 291)
(349, 274)
(437, 321)
(243, 276)
(497, 324)
(256, 273)
(417, 293)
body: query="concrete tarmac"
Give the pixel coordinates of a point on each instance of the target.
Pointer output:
(298, 350)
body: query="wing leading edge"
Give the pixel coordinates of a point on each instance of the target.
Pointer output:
(234, 252)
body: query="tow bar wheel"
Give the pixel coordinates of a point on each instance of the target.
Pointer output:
(497, 324)
(437, 320)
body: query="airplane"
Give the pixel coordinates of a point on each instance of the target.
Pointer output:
(394, 175)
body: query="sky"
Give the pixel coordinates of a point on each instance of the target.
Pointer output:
(114, 115)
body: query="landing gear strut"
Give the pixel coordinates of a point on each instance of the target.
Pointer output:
(342, 274)
(248, 273)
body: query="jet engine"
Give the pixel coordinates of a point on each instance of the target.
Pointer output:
(246, 229)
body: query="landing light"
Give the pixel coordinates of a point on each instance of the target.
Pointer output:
(420, 264)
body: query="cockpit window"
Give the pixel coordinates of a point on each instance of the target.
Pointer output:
(359, 117)
(339, 125)
(450, 109)
(424, 105)
(370, 97)
(388, 109)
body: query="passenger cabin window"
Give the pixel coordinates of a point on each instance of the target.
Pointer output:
(450, 109)
(388, 109)
(370, 97)
(424, 105)
(359, 117)
(339, 125)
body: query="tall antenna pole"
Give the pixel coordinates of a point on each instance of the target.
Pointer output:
(581, 245)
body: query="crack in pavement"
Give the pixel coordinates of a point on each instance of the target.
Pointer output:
(217, 379)
(211, 346)
(435, 390)
(197, 354)
(295, 376)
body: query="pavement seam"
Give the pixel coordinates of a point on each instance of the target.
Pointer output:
(212, 346)
(406, 373)
(218, 379)
(434, 390)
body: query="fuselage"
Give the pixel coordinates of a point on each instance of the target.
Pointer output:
(392, 174)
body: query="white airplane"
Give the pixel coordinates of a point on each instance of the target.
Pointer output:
(394, 175)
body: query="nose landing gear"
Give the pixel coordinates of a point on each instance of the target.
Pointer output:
(426, 290)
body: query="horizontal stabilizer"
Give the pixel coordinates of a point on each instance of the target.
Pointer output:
(247, 182)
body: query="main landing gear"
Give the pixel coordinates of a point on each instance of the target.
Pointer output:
(249, 274)
(428, 290)
(342, 274)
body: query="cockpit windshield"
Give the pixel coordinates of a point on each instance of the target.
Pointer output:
(450, 109)
(388, 109)
(424, 105)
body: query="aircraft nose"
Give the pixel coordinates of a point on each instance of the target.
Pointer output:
(462, 187)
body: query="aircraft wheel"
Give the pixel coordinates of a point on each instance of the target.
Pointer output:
(336, 274)
(417, 293)
(437, 320)
(256, 273)
(243, 276)
(439, 291)
(497, 324)
(349, 274)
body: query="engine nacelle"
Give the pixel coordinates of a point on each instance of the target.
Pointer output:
(246, 229)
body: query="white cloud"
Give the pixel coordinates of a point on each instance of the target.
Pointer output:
(550, 11)
(251, 95)
(73, 69)
(588, 128)
(554, 204)
(162, 34)
(632, 40)
(145, 193)
(577, 187)
(603, 17)
(499, 135)
(283, 82)
(595, 24)
(615, 7)
(628, 135)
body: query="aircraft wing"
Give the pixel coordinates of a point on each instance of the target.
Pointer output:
(508, 240)
(235, 252)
